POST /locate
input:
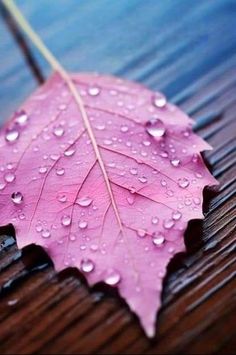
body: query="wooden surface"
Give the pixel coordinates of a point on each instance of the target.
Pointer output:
(186, 49)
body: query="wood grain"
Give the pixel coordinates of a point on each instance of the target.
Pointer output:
(187, 50)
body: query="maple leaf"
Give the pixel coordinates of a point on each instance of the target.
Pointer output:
(113, 199)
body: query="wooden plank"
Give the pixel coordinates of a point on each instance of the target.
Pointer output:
(186, 49)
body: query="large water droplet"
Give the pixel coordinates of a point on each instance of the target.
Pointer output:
(66, 220)
(155, 127)
(9, 177)
(58, 131)
(12, 135)
(87, 265)
(17, 198)
(183, 182)
(112, 277)
(158, 239)
(83, 224)
(159, 101)
(84, 201)
(94, 91)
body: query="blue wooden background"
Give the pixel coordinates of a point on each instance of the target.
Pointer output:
(166, 44)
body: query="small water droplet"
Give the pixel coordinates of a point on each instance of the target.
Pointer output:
(87, 265)
(43, 169)
(100, 127)
(73, 237)
(17, 198)
(183, 182)
(2, 186)
(198, 175)
(130, 200)
(83, 224)
(187, 202)
(155, 127)
(94, 247)
(132, 190)
(66, 220)
(62, 198)
(143, 179)
(12, 135)
(197, 201)
(54, 157)
(94, 91)
(133, 171)
(168, 223)
(107, 141)
(21, 216)
(62, 107)
(155, 220)
(175, 162)
(38, 227)
(46, 233)
(124, 129)
(163, 183)
(176, 215)
(141, 233)
(9, 177)
(69, 152)
(158, 239)
(112, 277)
(60, 171)
(21, 118)
(159, 101)
(146, 143)
(84, 201)
(58, 131)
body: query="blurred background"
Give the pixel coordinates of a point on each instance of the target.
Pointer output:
(167, 45)
(187, 49)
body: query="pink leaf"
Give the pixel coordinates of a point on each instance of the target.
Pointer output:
(125, 230)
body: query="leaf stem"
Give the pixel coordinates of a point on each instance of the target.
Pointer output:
(51, 59)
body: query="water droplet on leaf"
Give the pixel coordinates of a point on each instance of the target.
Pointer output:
(66, 220)
(112, 278)
(183, 182)
(87, 265)
(155, 128)
(12, 135)
(17, 198)
(158, 239)
(84, 201)
(159, 101)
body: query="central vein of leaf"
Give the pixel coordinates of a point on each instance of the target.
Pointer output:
(59, 68)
